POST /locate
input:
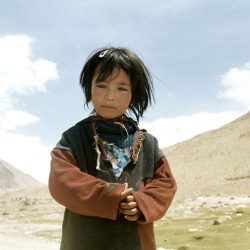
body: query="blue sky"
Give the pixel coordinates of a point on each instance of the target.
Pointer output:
(197, 51)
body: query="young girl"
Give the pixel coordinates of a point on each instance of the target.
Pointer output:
(110, 175)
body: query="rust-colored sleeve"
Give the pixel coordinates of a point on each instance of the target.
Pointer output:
(156, 194)
(80, 192)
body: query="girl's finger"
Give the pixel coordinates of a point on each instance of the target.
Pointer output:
(127, 191)
(131, 212)
(130, 205)
(130, 198)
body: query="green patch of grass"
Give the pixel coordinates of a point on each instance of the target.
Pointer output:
(229, 235)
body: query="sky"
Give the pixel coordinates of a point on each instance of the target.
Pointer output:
(198, 53)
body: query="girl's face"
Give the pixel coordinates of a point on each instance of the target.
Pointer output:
(111, 97)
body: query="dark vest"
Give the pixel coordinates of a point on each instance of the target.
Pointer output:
(92, 233)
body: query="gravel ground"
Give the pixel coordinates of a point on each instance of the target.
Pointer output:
(10, 241)
(19, 232)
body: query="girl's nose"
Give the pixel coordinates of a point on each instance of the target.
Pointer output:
(110, 95)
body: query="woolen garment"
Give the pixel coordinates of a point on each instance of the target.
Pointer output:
(91, 193)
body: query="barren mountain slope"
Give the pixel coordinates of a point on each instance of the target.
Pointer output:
(12, 178)
(216, 162)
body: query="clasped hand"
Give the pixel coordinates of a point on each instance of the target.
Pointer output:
(128, 205)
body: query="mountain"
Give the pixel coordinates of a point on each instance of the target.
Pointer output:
(12, 178)
(214, 163)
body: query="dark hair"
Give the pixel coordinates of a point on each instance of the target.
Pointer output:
(106, 60)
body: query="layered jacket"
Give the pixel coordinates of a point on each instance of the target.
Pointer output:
(82, 180)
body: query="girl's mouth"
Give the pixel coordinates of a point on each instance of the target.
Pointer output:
(108, 107)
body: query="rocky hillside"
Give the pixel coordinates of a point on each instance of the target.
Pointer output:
(12, 178)
(214, 163)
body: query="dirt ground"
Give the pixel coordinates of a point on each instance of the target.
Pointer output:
(15, 241)
(32, 221)
(29, 220)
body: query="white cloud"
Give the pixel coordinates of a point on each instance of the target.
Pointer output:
(236, 85)
(12, 119)
(22, 74)
(169, 131)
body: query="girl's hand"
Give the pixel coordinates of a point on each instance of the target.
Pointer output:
(127, 191)
(130, 209)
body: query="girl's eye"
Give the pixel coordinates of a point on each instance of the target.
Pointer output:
(100, 85)
(123, 89)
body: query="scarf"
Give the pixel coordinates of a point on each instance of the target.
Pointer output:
(117, 137)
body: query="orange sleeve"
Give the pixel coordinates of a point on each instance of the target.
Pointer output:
(80, 192)
(155, 194)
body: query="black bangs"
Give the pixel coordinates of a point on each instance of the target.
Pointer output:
(113, 59)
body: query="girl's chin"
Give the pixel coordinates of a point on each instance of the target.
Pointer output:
(109, 117)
